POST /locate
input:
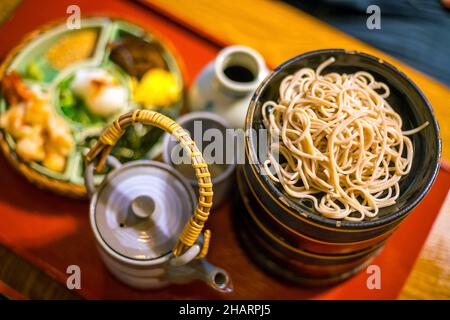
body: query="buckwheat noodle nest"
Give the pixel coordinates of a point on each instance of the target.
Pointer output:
(335, 140)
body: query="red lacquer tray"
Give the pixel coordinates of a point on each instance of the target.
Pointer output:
(52, 232)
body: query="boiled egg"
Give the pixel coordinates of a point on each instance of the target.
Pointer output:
(102, 95)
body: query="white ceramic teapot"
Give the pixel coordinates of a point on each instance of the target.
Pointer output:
(141, 214)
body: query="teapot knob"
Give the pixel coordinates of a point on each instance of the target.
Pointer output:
(142, 206)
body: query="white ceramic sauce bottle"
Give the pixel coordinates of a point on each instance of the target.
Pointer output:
(226, 85)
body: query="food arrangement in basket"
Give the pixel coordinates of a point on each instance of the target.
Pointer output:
(62, 87)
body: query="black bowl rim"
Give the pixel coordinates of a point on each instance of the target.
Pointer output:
(319, 219)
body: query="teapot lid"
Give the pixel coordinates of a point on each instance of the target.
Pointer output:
(141, 209)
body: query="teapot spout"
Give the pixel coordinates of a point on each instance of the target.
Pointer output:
(217, 278)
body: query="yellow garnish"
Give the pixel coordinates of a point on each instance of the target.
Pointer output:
(72, 48)
(157, 88)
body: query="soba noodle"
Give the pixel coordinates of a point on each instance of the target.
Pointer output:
(340, 143)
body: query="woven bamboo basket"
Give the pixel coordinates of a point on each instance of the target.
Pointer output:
(61, 187)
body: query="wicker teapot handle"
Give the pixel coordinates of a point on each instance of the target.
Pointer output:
(197, 221)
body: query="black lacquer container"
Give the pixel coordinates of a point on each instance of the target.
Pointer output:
(285, 235)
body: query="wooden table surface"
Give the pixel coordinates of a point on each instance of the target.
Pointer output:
(430, 277)
(45, 228)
